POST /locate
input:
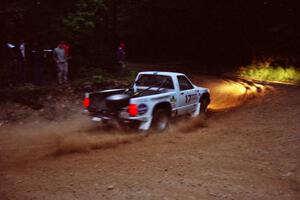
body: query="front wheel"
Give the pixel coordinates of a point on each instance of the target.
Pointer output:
(160, 120)
(204, 104)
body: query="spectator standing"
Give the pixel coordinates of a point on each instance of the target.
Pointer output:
(22, 48)
(66, 47)
(22, 61)
(12, 71)
(60, 58)
(121, 55)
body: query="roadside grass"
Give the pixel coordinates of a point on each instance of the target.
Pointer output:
(96, 75)
(266, 72)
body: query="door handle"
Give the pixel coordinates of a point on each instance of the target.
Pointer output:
(182, 93)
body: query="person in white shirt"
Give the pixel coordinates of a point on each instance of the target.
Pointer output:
(62, 63)
(22, 61)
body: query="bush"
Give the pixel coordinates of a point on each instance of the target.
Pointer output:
(98, 79)
(132, 75)
(264, 71)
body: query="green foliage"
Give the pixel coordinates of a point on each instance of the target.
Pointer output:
(97, 75)
(264, 71)
(132, 75)
(98, 79)
(84, 17)
(88, 71)
(92, 74)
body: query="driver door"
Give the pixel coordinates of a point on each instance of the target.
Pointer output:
(187, 97)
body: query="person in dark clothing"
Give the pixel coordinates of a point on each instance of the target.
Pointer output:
(12, 56)
(37, 61)
(121, 55)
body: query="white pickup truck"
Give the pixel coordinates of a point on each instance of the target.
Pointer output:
(150, 102)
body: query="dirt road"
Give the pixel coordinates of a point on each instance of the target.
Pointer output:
(247, 148)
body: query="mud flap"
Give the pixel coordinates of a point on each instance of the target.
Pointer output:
(145, 126)
(96, 119)
(197, 111)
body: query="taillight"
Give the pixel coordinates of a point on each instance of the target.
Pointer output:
(86, 102)
(133, 110)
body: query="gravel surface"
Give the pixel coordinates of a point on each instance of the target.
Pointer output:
(247, 147)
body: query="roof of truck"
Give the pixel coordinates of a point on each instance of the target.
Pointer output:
(162, 73)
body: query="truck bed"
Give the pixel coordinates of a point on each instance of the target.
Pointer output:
(97, 99)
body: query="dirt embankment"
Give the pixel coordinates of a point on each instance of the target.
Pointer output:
(246, 148)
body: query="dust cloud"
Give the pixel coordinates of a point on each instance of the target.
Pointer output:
(191, 124)
(24, 143)
(37, 138)
(83, 143)
(230, 93)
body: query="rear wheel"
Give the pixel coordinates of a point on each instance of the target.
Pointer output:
(160, 120)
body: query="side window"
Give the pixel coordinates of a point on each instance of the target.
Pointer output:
(184, 83)
(150, 80)
(169, 83)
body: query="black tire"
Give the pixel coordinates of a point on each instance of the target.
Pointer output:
(160, 121)
(204, 104)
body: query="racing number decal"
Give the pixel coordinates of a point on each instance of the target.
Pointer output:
(190, 97)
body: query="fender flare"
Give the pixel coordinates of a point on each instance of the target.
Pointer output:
(205, 95)
(163, 105)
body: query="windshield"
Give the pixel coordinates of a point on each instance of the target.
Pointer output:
(151, 80)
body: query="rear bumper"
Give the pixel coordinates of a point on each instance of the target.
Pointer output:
(115, 120)
(122, 120)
